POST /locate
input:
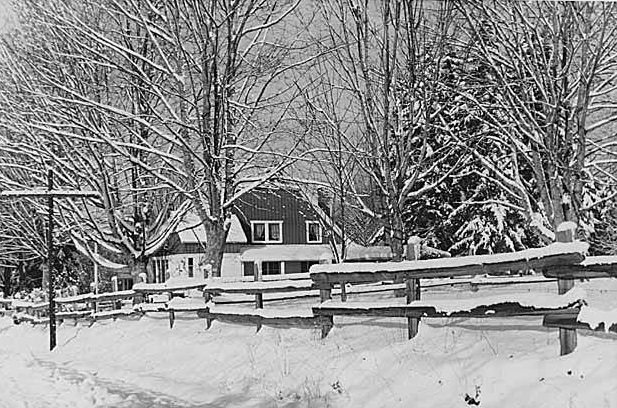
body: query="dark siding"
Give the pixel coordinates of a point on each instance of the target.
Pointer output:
(272, 204)
(262, 204)
(173, 246)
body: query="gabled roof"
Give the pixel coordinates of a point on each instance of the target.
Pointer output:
(192, 231)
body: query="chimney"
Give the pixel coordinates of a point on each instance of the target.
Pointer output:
(324, 200)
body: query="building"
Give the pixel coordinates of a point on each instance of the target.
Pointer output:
(273, 226)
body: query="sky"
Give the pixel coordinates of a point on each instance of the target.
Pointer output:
(4, 14)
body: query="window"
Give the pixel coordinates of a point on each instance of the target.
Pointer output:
(259, 232)
(161, 267)
(158, 270)
(190, 267)
(267, 231)
(305, 266)
(271, 268)
(313, 232)
(274, 232)
(125, 284)
(248, 269)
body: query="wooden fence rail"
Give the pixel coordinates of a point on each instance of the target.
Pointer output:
(563, 261)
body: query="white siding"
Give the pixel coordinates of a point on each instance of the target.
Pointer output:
(178, 265)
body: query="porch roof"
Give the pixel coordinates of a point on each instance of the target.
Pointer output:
(286, 253)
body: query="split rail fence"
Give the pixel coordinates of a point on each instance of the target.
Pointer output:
(563, 261)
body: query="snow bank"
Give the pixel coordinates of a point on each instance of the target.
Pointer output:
(269, 313)
(186, 303)
(364, 362)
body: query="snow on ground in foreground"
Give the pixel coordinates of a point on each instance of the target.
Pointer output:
(364, 362)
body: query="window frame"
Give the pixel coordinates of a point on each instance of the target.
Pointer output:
(271, 263)
(190, 267)
(267, 239)
(320, 237)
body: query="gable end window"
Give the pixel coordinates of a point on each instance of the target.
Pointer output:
(191, 268)
(267, 231)
(313, 232)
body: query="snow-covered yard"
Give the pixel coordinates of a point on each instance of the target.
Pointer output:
(363, 362)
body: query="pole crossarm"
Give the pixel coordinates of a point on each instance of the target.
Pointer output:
(49, 193)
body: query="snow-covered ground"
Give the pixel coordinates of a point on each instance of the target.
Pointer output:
(364, 362)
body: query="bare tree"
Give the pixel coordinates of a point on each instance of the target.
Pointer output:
(553, 64)
(186, 97)
(384, 66)
(45, 126)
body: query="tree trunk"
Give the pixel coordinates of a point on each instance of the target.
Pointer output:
(140, 265)
(397, 238)
(6, 281)
(216, 235)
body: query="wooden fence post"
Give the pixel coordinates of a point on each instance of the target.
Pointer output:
(172, 318)
(412, 289)
(412, 286)
(567, 337)
(327, 322)
(325, 292)
(114, 288)
(259, 297)
(343, 292)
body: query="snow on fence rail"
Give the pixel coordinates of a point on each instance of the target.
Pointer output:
(557, 254)
(559, 261)
(522, 304)
(586, 317)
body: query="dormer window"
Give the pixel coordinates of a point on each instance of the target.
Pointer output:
(267, 231)
(313, 232)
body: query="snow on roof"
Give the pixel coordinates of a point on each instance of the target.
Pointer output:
(449, 306)
(192, 231)
(357, 252)
(105, 263)
(287, 253)
(464, 261)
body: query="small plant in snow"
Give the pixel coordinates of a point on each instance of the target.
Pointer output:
(475, 400)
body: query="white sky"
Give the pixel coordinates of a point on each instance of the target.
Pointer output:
(4, 14)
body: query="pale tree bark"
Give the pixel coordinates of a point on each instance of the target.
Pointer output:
(209, 93)
(45, 124)
(552, 62)
(385, 57)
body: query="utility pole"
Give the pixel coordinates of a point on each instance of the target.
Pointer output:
(50, 261)
(50, 194)
(96, 277)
